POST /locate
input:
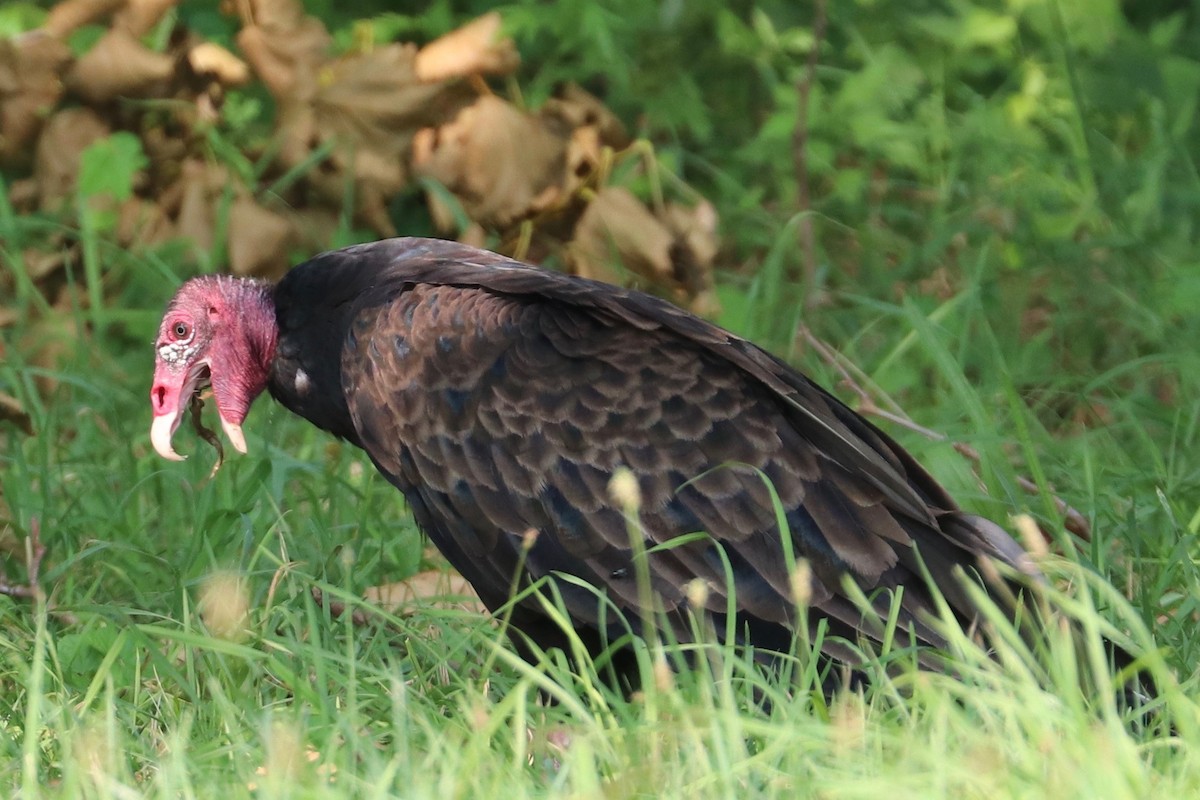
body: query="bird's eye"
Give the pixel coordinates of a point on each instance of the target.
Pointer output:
(181, 330)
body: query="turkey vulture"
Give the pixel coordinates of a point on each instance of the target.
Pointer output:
(501, 399)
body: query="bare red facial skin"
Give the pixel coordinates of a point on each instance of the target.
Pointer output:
(217, 331)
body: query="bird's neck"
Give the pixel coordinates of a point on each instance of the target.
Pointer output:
(251, 305)
(259, 327)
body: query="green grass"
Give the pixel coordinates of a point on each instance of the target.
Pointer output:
(120, 690)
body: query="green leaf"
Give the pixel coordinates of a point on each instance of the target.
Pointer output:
(18, 18)
(108, 166)
(988, 29)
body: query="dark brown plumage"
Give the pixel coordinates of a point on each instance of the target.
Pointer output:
(501, 398)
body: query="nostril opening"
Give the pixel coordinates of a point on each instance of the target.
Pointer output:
(160, 397)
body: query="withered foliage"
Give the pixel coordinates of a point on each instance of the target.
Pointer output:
(361, 126)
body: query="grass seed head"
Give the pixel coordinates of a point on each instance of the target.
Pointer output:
(624, 489)
(1031, 535)
(697, 593)
(225, 605)
(801, 583)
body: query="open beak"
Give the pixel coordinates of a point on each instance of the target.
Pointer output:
(170, 398)
(161, 431)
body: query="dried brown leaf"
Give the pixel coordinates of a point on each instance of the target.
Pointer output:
(196, 216)
(584, 154)
(372, 210)
(574, 108)
(313, 227)
(12, 411)
(372, 105)
(693, 253)
(140, 16)
(618, 229)
(474, 235)
(696, 229)
(166, 150)
(68, 15)
(272, 14)
(142, 222)
(41, 264)
(440, 211)
(258, 239)
(434, 586)
(24, 194)
(376, 90)
(284, 45)
(941, 283)
(503, 164)
(705, 304)
(119, 65)
(474, 49)
(296, 127)
(209, 58)
(56, 161)
(31, 68)
(368, 106)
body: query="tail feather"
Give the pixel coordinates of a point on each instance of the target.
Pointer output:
(1024, 581)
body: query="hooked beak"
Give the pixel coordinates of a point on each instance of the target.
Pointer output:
(170, 397)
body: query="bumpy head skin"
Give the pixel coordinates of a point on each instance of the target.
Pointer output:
(219, 332)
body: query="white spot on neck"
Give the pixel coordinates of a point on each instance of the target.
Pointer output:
(303, 384)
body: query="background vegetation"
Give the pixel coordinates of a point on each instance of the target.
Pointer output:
(988, 207)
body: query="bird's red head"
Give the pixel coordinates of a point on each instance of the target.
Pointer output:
(219, 332)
